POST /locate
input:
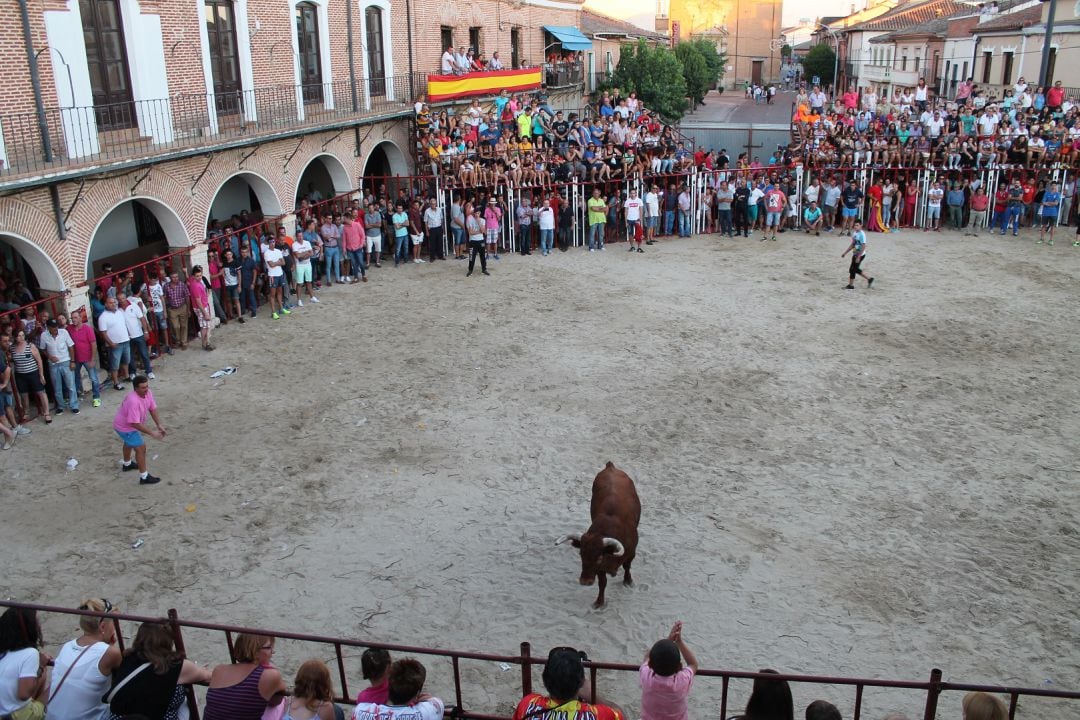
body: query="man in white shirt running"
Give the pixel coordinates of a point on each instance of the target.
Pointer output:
(633, 207)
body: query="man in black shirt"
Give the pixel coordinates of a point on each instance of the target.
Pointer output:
(851, 199)
(560, 129)
(742, 199)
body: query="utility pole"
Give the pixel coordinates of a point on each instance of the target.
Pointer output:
(1044, 66)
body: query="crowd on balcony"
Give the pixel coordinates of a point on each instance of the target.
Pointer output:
(467, 60)
(1028, 127)
(90, 678)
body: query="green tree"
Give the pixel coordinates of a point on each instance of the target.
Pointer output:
(715, 60)
(695, 72)
(656, 75)
(785, 51)
(820, 61)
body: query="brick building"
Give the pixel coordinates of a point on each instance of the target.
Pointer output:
(149, 118)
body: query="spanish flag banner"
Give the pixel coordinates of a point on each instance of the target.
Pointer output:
(450, 87)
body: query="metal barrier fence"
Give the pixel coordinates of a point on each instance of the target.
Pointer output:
(931, 689)
(149, 127)
(53, 303)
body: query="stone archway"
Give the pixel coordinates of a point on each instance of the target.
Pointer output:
(244, 190)
(134, 230)
(386, 160)
(326, 174)
(30, 263)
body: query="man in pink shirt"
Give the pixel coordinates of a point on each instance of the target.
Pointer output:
(85, 354)
(200, 303)
(130, 423)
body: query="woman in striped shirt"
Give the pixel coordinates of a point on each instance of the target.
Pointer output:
(29, 375)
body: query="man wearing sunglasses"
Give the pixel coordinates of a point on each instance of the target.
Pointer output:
(568, 692)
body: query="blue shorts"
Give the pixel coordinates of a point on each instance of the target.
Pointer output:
(278, 281)
(119, 355)
(652, 221)
(131, 438)
(933, 212)
(772, 219)
(6, 400)
(851, 212)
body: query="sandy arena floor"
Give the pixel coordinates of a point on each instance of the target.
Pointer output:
(857, 483)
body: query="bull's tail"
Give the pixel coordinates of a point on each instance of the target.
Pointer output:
(609, 465)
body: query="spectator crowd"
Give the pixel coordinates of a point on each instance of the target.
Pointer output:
(91, 679)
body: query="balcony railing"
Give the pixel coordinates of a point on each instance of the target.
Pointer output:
(563, 74)
(92, 135)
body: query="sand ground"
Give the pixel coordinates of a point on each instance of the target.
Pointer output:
(867, 483)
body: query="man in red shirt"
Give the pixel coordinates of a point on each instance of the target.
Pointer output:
(85, 354)
(1001, 204)
(1055, 97)
(564, 680)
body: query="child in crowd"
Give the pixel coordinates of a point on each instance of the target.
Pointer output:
(665, 681)
(375, 664)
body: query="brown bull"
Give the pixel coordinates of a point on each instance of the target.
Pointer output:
(611, 540)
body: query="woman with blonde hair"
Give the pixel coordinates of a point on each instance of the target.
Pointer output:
(313, 693)
(984, 706)
(82, 670)
(245, 688)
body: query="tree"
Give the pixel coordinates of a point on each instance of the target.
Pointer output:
(656, 75)
(820, 61)
(695, 72)
(785, 51)
(715, 60)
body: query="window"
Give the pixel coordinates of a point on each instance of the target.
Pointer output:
(937, 68)
(515, 48)
(307, 42)
(224, 57)
(903, 62)
(106, 58)
(474, 39)
(447, 34)
(964, 74)
(1006, 68)
(375, 66)
(917, 63)
(988, 62)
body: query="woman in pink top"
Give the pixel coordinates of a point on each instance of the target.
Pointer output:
(375, 664)
(665, 682)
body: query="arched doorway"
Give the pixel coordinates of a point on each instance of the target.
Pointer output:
(324, 177)
(386, 160)
(245, 197)
(28, 273)
(135, 230)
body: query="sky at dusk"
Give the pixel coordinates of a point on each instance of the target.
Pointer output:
(642, 12)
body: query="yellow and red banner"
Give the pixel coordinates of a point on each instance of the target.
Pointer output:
(450, 87)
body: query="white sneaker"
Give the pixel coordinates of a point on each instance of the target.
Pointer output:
(421, 261)
(347, 278)
(299, 302)
(314, 299)
(150, 376)
(20, 430)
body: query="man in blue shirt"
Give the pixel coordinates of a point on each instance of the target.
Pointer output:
(1050, 203)
(955, 200)
(812, 218)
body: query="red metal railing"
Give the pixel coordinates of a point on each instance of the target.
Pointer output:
(524, 660)
(53, 302)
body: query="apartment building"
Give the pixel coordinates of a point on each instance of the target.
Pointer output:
(128, 125)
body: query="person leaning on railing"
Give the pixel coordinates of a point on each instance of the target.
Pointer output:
(569, 695)
(152, 679)
(82, 670)
(406, 699)
(245, 688)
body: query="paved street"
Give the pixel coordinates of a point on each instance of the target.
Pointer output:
(733, 107)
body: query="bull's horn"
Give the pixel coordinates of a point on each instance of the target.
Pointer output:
(613, 543)
(571, 536)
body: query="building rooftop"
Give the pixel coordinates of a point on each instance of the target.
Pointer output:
(908, 15)
(593, 24)
(1012, 21)
(938, 27)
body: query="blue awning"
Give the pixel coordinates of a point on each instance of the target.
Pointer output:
(570, 37)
